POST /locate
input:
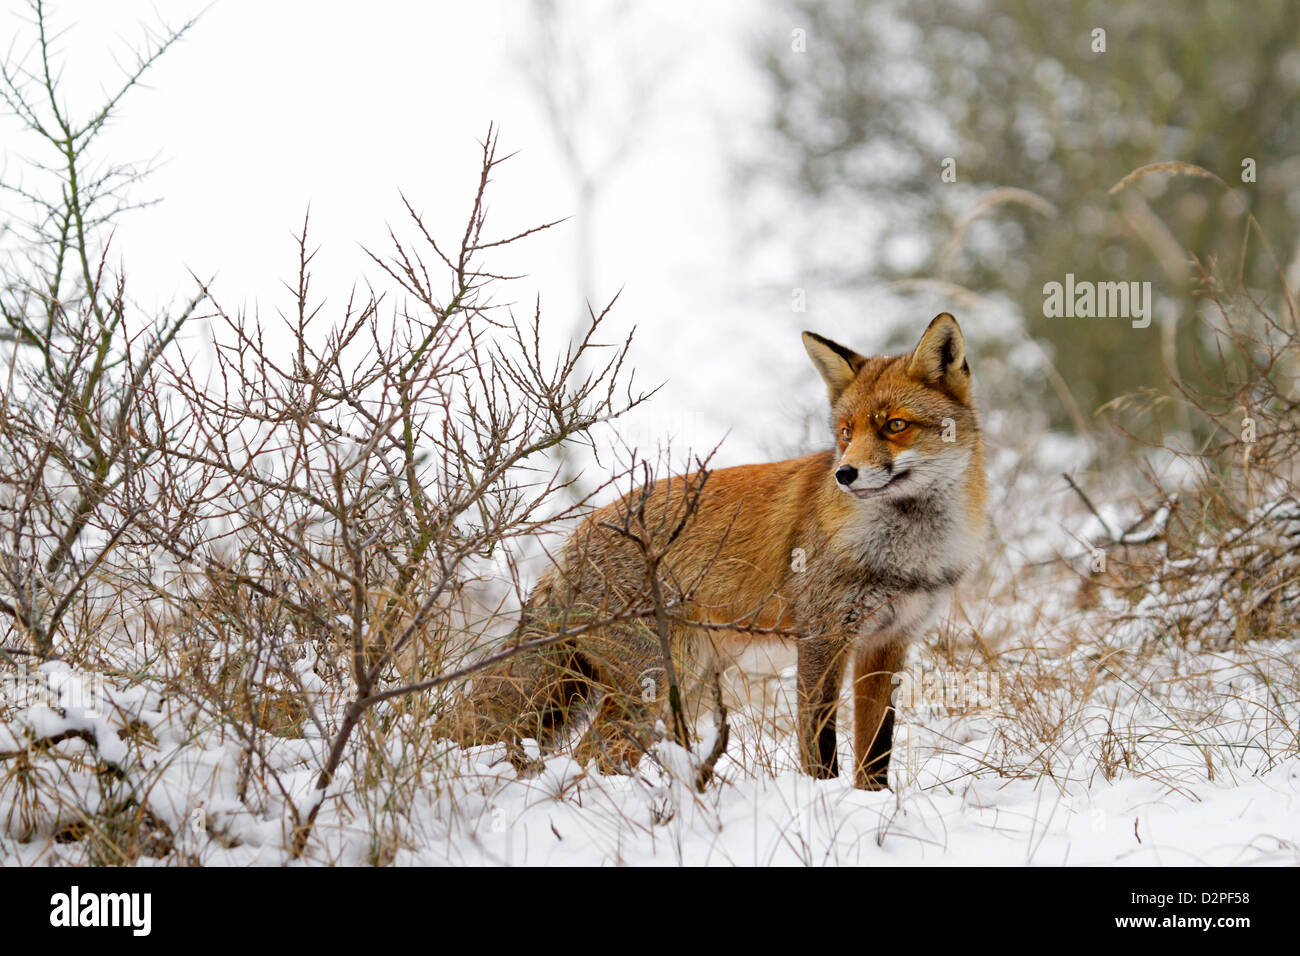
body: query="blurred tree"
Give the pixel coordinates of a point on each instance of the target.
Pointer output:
(874, 99)
(598, 101)
(570, 54)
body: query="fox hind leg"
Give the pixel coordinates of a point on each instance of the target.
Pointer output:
(618, 735)
(627, 668)
(531, 695)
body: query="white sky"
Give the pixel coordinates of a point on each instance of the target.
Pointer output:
(268, 107)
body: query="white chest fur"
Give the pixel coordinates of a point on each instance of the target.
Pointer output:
(923, 540)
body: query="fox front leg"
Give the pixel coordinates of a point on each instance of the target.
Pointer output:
(821, 665)
(873, 713)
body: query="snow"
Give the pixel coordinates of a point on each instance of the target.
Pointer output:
(1202, 769)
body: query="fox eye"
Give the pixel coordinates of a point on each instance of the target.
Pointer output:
(896, 425)
(845, 433)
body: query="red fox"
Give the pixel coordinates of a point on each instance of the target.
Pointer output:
(849, 552)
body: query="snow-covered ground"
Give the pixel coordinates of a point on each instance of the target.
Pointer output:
(1073, 745)
(975, 789)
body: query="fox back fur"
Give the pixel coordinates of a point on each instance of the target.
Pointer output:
(850, 552)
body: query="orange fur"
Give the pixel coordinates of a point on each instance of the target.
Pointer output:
(846, 568)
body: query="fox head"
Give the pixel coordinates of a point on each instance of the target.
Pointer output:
(902, 424)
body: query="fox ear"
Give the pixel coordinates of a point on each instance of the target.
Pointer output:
(837, 365)
(940, 357)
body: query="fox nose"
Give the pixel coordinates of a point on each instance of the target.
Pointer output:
(846, 475)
